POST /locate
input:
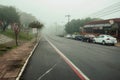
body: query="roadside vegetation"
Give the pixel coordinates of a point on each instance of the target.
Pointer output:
(22, 35)
(6, 47)
(18, 26)
(75, 24)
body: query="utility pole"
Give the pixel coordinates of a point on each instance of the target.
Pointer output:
(68, 18)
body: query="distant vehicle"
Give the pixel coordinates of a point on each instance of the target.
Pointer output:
(105, 39)
(73, 36)
(68, 36)
(79, 37)
(88, 38)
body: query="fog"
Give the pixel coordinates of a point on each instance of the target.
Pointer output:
(54, 29)
(50, 12)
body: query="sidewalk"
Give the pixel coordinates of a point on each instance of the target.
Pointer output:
(12, 61)
(118, 44)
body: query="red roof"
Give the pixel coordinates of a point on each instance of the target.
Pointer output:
(117, 20)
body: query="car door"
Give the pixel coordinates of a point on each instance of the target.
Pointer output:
(99, 39)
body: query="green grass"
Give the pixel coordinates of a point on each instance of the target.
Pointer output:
(21, 35)
(8, 46)
(25, 36)
(8, 33)
(4, 49)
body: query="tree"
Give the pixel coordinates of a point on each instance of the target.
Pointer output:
(8, 15)
(74, 25)
(26, 19)
(16, 30)
(36, 24)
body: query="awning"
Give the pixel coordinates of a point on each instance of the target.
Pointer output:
(98, 25)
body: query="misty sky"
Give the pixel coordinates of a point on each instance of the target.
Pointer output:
(51, 11)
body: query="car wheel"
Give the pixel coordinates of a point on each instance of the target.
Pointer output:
(82, 40)
(103, 42)
(113, 44)
(87, 40)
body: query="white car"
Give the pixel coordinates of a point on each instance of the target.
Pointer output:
(105, 39)
(68, 36)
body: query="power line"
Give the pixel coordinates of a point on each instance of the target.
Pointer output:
(108, 10)
(108, 13)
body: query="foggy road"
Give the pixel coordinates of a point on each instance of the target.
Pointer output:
(96, 61)
(46, 64)
(56, 57)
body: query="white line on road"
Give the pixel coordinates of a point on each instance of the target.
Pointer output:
(46, 72)
(80, 74)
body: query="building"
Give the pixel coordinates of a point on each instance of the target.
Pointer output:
(109, 26)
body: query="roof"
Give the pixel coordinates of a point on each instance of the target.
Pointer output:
(117, 20)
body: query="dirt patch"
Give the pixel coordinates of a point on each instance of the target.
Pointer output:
(118, 44)
(12, 61)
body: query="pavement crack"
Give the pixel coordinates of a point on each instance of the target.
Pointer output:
(48, 71)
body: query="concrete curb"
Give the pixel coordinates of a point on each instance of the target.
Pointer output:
(25, 64)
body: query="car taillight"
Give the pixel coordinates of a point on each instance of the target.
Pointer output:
(108, 38)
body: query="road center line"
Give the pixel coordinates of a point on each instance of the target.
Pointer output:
(79, 73)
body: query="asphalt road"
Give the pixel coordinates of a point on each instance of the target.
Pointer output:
(46, 64)
(96, 61)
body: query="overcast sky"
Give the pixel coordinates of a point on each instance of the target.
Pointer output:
(51, 11)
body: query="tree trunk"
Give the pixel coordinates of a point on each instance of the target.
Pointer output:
(16, 37)
(4, 26)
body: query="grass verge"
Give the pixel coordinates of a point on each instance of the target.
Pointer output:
(21, 35)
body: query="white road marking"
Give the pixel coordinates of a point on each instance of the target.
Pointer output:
(47, 72)
(79, 72)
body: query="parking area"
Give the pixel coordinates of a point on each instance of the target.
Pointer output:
(101, 39)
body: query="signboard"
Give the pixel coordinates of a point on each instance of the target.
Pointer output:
(34, 30)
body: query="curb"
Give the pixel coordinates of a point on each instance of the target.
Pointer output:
(117, 45)
(25, 64)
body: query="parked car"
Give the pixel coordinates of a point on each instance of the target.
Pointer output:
(73, 36)
(88, 38)
(79, 37)
(68, 36)
(105, 39)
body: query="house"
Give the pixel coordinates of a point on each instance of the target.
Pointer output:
(109, 26)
